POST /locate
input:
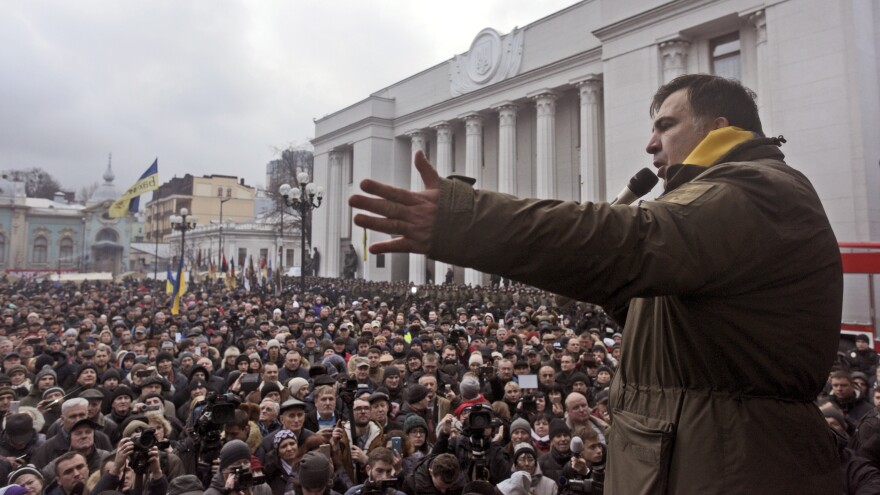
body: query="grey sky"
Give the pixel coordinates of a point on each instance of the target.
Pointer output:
(208, 86)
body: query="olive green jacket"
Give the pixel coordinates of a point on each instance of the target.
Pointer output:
(730, 285)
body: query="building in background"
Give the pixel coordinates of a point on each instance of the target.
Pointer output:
(559, 109)
(41, 236)
(208, 198)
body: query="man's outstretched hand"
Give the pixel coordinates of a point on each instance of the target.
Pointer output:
(408, 216)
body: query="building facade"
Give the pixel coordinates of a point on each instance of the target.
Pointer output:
(211, 198)
(42, 236)
(559, 109)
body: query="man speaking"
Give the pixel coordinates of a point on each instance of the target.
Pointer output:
(730, 285)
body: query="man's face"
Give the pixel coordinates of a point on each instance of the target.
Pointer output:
(153, 388)
(46, 382)
(164, 366)
(235, 432)
(326, 404)
(373, 358)
(449, 354)
(392, 382)
(566, 363)
(842, 389)
(675, 133)
(578, 410)
(361, 413)
(292, 361)
(293, 419)
(380, 470)
(379, 411)
(82, 439)
(363, 372)
(861, 345)
(430, 383)
(73, 415)
(877, 399)
(122, 405)
(546, 375)
(414, 363)
(207, 364)
(71, 472)
(94, 407)
(270, 373)
(562, 442)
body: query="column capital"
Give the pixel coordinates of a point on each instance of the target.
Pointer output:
(443, 130)
(335, 157)
(505, 105)
(473, 123)
(758, 19)
(417, 137)
(587, 80)
(543, 94)
(589, 89)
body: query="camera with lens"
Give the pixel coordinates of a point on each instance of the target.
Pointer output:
(209, 417)
(529, 403)
(487, 372)
(142, 442)
(591, 484)
(245, 478)
(384, 487)
(480, 418)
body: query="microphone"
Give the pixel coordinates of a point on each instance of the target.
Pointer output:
(639, 185)
(576, 446)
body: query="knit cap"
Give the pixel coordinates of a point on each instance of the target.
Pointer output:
(314, 471)
(558, 427)
(390, 371)
(416, 393)
(414, 421)
(520, 424)
(232, 452)
(523, 448)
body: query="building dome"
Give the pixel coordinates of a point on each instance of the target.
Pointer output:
(107, 190)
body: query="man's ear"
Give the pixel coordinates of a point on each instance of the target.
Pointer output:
(719, 122)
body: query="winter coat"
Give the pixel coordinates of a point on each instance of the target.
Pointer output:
(498, 458)
(376, 438)
(730, 285)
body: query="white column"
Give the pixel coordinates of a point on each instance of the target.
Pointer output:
(592, 167)
(416, 261)
(472, 164)
(444, 169)
(507, 148)
(759, 21)
(333, 202)
(545, 183)
(673, 58)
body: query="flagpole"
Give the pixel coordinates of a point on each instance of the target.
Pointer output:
(156, 236)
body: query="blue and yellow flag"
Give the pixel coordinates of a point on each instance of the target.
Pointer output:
(130, 199)
(179, 288)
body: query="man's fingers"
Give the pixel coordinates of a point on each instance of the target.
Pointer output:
(396, 245)
(427, 171)
(390, 193)
(385, 208)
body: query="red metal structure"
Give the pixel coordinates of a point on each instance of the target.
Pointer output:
(862, 258)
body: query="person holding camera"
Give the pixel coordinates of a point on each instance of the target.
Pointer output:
(367, 436)
(380, 473)
(436, 475)
(475, 440)
(234, 476)
(153, 479)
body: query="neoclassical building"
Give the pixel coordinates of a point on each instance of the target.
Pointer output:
(559, 109)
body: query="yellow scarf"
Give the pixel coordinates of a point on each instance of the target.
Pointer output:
(716, 144)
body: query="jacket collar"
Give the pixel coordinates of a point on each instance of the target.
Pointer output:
(753, 149)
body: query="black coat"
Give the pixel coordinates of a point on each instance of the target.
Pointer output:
(420, 482)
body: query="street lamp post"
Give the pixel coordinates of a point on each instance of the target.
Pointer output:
(182, 223)
(303, 199)
(220, 254)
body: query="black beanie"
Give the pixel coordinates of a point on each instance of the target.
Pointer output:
(234, 451)
(164, 356)
(416, 393)
(558, 427)
(122, 390)
(268, 388)
(390, 371)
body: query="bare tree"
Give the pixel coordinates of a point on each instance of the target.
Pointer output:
(284, 170)
(37, 182)
(86, 192)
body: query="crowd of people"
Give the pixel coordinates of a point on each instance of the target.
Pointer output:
(347, 387)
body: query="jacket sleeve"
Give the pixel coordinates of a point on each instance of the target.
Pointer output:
(696, 239)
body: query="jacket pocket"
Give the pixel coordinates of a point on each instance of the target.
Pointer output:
(641, 451)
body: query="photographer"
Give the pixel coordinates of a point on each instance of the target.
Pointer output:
(234, 476)
(463, 446)
(154, 481)
(379, 469)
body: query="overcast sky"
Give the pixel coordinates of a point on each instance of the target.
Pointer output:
(209, 86)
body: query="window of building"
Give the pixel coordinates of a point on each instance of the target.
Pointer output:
(380, 261)
(65, 250)
(242, 256)
(107, 235)
(219, 192)
(41, 250)
(288, 258)
(725, 55)
(228, 192)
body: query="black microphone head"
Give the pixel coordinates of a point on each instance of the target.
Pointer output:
(576, 445)
(643, 182)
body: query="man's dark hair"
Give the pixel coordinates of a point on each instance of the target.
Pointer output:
(380, 454)
(445, 467)
(240, 419)
(841, 375)
(711, 97)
